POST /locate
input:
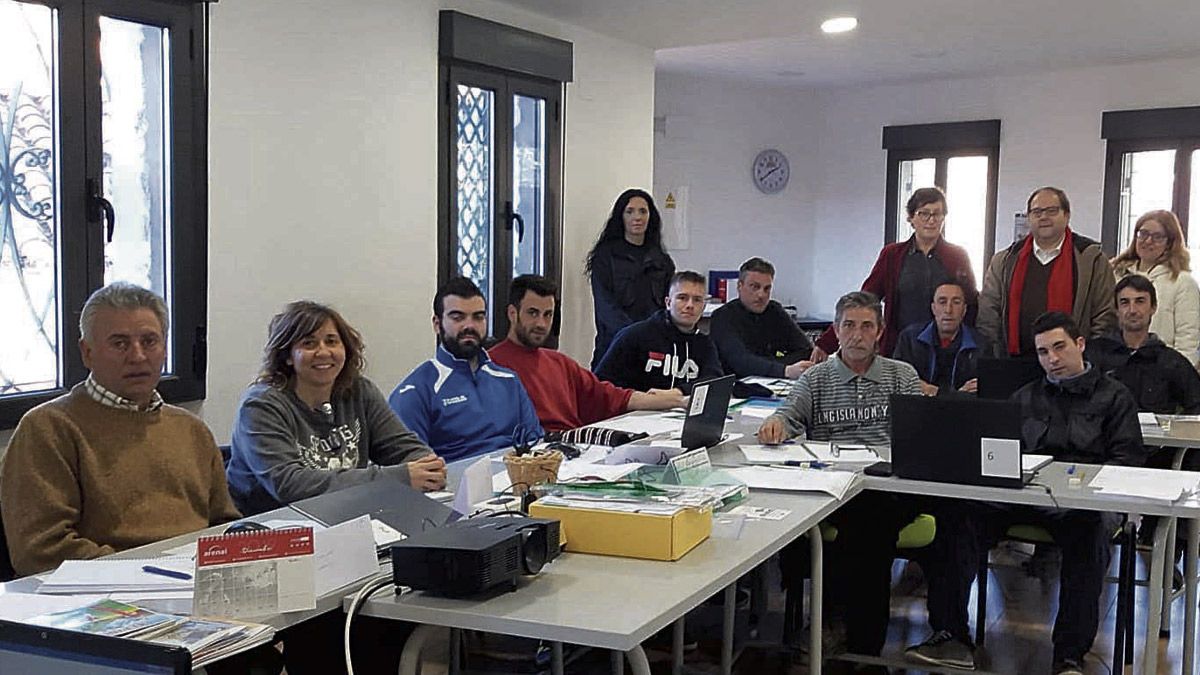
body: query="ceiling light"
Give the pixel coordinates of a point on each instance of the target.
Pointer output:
(839, 24)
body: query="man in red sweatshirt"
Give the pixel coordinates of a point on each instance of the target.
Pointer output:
(565, 394)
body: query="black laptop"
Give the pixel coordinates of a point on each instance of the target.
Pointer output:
(961, 440)
(704, 425)
(1001, 378)
(391, 502)
(35, 650)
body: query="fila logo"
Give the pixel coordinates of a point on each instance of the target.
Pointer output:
(452, 400)
(672, 365)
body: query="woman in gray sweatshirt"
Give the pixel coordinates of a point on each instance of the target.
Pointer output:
(312, 423)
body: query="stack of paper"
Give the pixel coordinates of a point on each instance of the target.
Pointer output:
(207, 639)
(109, 575)
(111, 618)
(833, 483)
(656, 423)
(1135, 481)
(212, 639)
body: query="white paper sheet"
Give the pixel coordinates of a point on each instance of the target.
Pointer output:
(775, 454)
(113, 575)
(344, 554)
(659, 423)
(834, 483)
(757, 411)
(477, 484)
(1034, 462)
(1136, 481)
(22, 606)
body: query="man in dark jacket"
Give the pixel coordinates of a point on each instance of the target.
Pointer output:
(1077, 414)
(944, 351)
(1161, 379)
(753, 334)
(665, 351)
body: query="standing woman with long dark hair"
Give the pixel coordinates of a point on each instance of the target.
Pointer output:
(628, 267)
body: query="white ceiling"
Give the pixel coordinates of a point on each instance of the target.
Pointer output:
(897, 40)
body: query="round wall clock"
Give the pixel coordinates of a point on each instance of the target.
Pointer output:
(771, 171)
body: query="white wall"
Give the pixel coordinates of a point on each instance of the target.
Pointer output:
(323, 172)
(1050, 134)
(713, 130)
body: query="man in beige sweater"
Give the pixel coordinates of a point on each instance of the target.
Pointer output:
(109, 466)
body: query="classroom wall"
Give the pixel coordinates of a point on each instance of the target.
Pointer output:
(707, 138)
(323, 172)
(1050, 134)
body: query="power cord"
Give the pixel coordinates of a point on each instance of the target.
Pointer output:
(372, 587)
(1049, 492)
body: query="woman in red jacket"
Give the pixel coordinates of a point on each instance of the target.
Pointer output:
(908, 272)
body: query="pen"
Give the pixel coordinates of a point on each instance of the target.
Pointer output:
(804, 464)
(151, 569)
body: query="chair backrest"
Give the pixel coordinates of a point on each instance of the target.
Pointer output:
(7, 573)
(226, 453)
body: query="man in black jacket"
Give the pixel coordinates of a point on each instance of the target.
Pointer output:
(753, 334)
(665, 351)
(1077, 414)
(1160, 378)
(944, 351)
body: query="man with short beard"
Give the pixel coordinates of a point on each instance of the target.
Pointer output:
(565, 394)
(459, 402)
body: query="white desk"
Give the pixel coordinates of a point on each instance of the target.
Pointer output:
(617, 603)
(1061, 495)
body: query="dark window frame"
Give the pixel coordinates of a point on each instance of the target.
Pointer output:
(1126, 131)
(81, 247)
(942, 141)
(508, 61)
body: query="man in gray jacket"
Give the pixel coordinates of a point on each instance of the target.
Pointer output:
(1051, 269)
(845, 399)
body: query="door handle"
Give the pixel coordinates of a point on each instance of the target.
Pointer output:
(100, 209)
(510, 216)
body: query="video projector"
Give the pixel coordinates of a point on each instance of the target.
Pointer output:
(474, 555)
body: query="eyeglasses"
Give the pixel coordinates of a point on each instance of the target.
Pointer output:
(929, 215)
(1045, 211)
(1147, 235)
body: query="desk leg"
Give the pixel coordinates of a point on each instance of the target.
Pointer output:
(455, 651)
(410, 658)
(1189, 598)
(677, 647)
(637, 661)
(730, 608)
(556, 658)
(618, 662)
(816, 602)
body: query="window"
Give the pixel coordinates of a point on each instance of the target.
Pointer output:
(102, 178)
(962, 158)
(1152, 162)
(500, 154)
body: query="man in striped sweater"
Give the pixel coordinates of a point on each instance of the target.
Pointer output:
(845, 400)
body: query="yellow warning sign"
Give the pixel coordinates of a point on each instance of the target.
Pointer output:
(670, 203)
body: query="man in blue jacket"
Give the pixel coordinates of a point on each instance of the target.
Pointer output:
(459, 402)
(944, 351)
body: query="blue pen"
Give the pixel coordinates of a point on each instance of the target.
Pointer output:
(806, 464)
(163, 572)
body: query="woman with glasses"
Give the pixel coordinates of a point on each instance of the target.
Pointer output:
(628, 267)
(1159, 252)
(908, 272)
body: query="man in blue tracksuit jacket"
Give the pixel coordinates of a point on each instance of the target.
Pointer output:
(944, 351)
(459, 402)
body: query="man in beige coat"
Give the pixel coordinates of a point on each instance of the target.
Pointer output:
(1051, 269)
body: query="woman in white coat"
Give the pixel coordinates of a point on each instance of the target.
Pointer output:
(1159, 252)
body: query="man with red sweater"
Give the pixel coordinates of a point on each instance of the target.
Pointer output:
(565, 394)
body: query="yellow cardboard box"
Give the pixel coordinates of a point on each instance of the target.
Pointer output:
(630, 535)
